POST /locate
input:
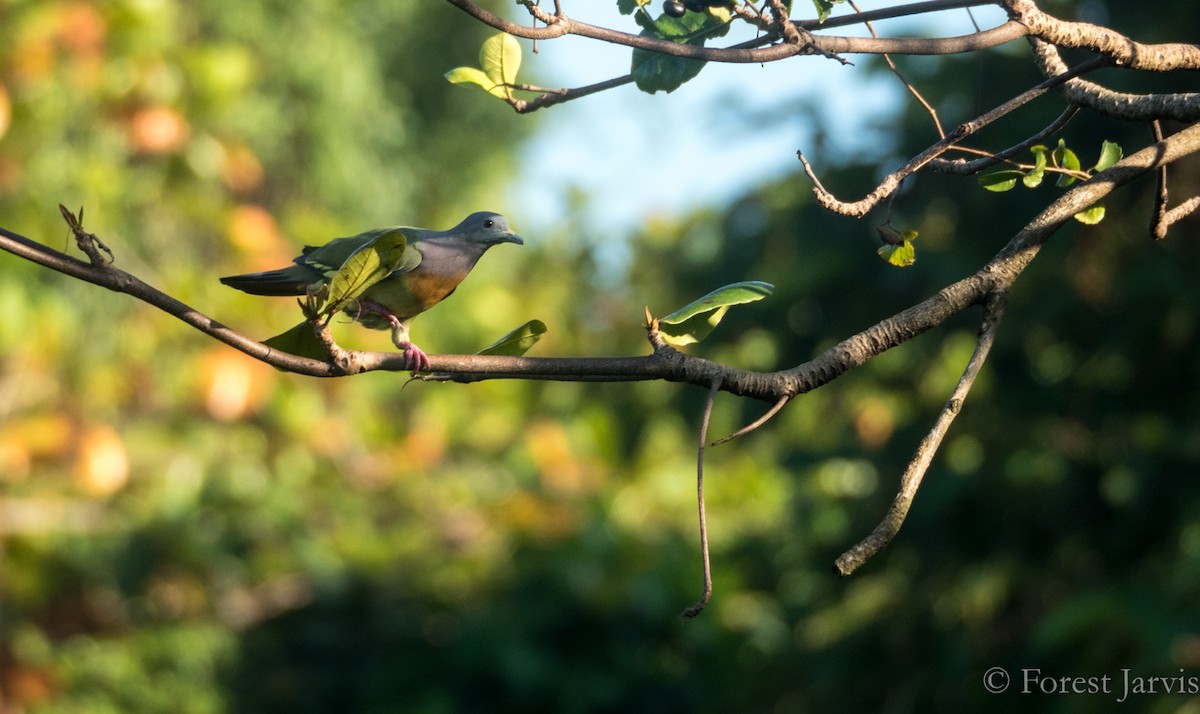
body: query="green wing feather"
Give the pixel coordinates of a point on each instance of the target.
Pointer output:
(329, 258)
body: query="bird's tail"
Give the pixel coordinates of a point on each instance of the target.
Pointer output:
(292, 280)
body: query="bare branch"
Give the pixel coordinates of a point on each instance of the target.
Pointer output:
(892, 181)
(754, 51)
(1184, 106)
(706, 590)
(929, 109)
(756, 423)
(966, 168)
(1119, 49)
(887, 529)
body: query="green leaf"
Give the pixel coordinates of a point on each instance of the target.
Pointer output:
(365, 268)
(474, 75)
(500, 58)
(654, 72)
(517, 342)
(301, 341)
(825, 8)
(900, 255)
(628, 7)
(1000, 181)
(1033, 179)
(1091, 215)
(694, 321)
(1064, 158)
(1110, 153)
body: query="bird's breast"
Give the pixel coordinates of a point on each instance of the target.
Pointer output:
(428, 289)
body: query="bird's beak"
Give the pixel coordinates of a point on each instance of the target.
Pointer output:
(512, 238)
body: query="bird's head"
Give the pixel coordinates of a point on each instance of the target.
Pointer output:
(487, 229)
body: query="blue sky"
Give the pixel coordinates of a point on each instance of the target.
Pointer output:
(636, 155)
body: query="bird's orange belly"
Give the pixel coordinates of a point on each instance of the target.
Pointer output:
(413, 293)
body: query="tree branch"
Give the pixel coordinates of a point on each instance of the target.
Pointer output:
(892, 181)
(753, 52)
(887, 529)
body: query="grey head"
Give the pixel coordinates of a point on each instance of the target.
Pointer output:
(486, 229)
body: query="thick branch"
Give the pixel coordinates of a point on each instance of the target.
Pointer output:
(753, 52)
(1183, 106)
(1119, 49)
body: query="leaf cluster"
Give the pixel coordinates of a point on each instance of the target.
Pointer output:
(1062, 161)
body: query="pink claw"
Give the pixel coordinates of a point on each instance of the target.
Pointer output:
(414, 359)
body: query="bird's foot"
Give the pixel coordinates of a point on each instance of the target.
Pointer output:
(414, 358)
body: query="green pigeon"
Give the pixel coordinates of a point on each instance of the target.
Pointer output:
(423, 277)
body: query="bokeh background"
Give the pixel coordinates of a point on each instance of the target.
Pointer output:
(185, 530)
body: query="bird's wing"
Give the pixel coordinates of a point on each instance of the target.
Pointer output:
(329, 258)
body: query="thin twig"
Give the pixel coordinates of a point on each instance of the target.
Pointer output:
(754, 51)
(917, 467)
(963, 167)
(757, 422)
(891, 182)
(1158, 217)
(937, 123)
(706, 593)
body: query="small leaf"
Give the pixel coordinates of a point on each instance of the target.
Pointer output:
(721, 12)
(1064, 158)
(365, 268)
(628, 7)
(1110, 153)
(1033, 179)
(301, 341)
(1000, 181)
(696, 320)
(824, 8)
(732, 294)
(517, 342)
(474, 75)
(901, 255)
(655, 72)
(500, 58)
(1092, 215)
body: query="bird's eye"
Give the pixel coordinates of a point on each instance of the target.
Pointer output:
(489, 223)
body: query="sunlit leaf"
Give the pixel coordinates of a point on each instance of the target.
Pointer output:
(1110, 154)
(474, 75)
(365, 268)
(1000, 181)
(500, 58)
(1091, 215)
(1034, 177)
(694, 321)
(517, 342)
(825, 8)
(1066, 159)
(901, 255)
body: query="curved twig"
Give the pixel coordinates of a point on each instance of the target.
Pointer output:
(706, 590)
(891, 182)
(756, 423)
(964, 167)
(887, 529)
(1119, 49)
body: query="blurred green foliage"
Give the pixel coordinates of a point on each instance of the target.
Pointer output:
(185, 530)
